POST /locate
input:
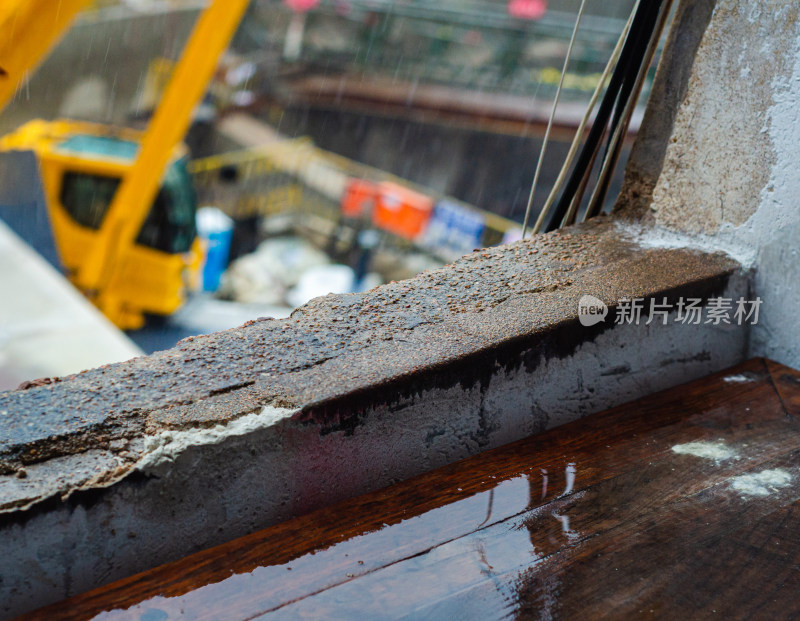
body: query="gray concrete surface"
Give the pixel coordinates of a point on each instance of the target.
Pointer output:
(668, 91)
(134, 464)
(723, 174)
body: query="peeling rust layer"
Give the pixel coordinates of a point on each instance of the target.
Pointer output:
(337, 353)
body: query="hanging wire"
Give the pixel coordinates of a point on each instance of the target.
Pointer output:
(550, 120)
(615, 146)
(617, 94)
(576, 141)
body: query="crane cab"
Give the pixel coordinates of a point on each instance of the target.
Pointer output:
(81, 167)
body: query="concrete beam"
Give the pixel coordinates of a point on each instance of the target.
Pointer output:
(121, 468)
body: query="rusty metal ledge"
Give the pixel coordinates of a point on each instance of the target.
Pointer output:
(343, 347)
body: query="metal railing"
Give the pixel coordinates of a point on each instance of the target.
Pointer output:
(470, 44)
(296, 177)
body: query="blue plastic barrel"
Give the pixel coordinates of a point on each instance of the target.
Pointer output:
(215, 229)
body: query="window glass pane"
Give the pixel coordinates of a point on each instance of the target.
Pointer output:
(170, 225)
(87, 197)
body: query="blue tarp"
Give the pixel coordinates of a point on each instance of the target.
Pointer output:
(455, 228)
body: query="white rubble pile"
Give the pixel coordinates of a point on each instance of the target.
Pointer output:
(284, 270)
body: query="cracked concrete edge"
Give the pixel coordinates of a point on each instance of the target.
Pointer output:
(95, 469)
(391, 343)
(163, 448)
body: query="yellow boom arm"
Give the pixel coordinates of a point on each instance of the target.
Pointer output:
(29, 30)
(139, 187)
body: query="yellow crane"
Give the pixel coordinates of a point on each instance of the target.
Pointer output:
(120, 202)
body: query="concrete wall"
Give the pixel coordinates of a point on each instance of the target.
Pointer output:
(726, 171)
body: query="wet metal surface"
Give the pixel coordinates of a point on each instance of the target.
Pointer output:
(684, 504)
(478, 312)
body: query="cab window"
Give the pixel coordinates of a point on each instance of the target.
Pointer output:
(87, 197)
(170, 224)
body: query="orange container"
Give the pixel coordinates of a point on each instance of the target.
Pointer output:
(401, 211)
(359, 198)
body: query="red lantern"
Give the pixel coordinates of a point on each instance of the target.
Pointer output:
(301, 6)
(527, 9)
